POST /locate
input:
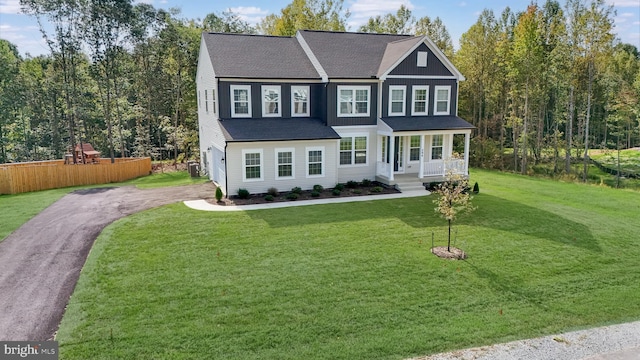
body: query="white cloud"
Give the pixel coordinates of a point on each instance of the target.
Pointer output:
(150, 2)
(9, 6)
(362, 10)
(462, 4)
(27, 38)
(250, 14)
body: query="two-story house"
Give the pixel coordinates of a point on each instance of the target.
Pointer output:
(327, 107)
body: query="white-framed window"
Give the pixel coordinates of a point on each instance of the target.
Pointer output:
(422, 59)
(240, 100)
(271, 101)
(206, 101)
(436, 147)
(414, 148)
(354, 100)
(213, 100)
(199, 100)
(353, 150)
(420, 100)
(315, 161)
(397, 100)
(384, 149)
(442, 100)
(252, 165)
(300, 100)
(285, 164)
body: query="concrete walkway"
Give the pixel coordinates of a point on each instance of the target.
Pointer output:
(206, 206)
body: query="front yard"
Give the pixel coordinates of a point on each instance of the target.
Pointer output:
(357, 281)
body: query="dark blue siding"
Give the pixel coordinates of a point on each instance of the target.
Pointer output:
(316, 98)
(332, 106)
(409, 82)
(409, 65)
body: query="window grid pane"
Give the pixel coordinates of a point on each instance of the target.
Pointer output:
(361, 143)
(345, 143)
(345, 157)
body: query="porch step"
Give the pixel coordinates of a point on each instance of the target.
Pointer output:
(409, 186)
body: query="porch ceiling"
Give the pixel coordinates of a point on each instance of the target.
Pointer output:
(426, 123)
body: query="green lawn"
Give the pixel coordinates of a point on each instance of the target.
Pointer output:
(357, 281)
(17, 209)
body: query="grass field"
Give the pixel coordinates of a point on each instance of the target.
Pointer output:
(18, 209)
(357, 281)
(629, 160)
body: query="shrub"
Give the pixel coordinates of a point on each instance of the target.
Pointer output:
(296, 190)
(243, 193)
(272, 191)
(366, 182)
(352, 184)
(339, 187)
(336, 192)
(268, 197)
(292, 196)
(218, 194)
(356, 191)
(315, 193)
(318, 188)
(376, 189)
(476, 188)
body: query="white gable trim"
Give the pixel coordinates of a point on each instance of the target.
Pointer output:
(425, 40)
(204, 51)
(312, 57)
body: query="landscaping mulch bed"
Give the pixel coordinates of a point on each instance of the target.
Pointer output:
(359, 190)
(454, 254)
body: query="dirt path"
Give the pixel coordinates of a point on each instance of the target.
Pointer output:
(41, 261)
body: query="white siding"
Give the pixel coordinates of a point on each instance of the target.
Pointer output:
(210, 134)
(358, 172)
(235, 166)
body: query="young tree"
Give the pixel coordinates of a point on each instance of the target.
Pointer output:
(453, 199)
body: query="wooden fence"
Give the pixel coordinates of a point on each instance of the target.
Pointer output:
(42, 175)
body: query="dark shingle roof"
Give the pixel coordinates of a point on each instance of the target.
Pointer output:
(349, 55)
(256, 56)
(276, 129)
(395, 50)
(427, 123)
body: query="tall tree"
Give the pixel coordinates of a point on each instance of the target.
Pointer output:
(306, 15)
(228, 22)
(402, 22)
(437, 32)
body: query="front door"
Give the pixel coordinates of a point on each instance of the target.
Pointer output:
(398, 159)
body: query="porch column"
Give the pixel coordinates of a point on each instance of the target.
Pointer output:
(392, 157)
(467, 138)
(421, 171)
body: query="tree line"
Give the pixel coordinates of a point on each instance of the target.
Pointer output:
(543, 85)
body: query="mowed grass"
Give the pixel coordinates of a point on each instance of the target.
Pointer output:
(17, 209)
(357, 281)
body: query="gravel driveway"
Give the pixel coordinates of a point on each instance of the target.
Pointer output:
(41, 261)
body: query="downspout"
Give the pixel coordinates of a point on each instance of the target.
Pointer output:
(226, 177)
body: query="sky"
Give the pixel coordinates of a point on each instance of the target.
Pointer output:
(457, 15)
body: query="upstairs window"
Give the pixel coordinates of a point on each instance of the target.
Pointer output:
(271, 100)
(353, 150)
(240, 101)
(206, 101)
(420, 100)
(436, 147)
(397, 100)
(353, 100)
(299, 101)
(422, 59)
(442, 100)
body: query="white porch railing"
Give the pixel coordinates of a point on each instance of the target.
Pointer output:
(440, 168)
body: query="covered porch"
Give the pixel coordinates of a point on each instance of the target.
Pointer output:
(421, 150)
